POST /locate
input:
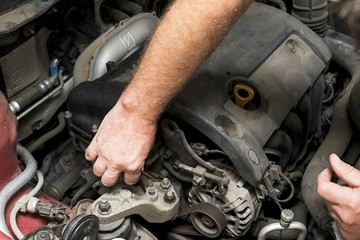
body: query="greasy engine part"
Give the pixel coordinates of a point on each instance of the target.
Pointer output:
(15, 14)
(239, 206)
(251, 112)
(313, 13)
(31, 56)
(241, 133)
(155, 201)
(127, 37)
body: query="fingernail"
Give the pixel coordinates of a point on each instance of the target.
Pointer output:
(335, 158)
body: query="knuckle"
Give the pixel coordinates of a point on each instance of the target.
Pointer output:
(133, 168)
(347, 219)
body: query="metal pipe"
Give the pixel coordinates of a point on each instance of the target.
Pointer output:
(18, 204)
(46, 97)
(277, 226)
(123, 43)
(115, 45)
(16, 184)
(34, 92)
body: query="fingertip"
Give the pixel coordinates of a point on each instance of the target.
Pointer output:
(99, 167)
(90, 153)
(131, 179)
(334, 159)
(106, 182)
(110, 177)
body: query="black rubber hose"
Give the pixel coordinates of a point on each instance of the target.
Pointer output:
(340, 132)
(294, 128)
(304, 110)
(112, 13)
(316, 97)
(82, 190)
(280, 143)
(131, 8)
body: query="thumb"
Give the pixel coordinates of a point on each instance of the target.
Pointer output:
(346, 172)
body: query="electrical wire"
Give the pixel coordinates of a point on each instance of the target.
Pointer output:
(82, 190)
(292, 189)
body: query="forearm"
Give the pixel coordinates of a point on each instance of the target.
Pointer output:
(189, 31)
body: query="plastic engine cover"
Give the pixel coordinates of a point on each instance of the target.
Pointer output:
(273, 53)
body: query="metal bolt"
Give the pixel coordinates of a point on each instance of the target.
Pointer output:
(43, 235)
(169, 197)
(67, 114)
(196, 180)
(151, 193)
(104, 207)
(167, 153)
(66, 160)
(163, 173)
(94, 128)
(287, 217)
(165, 184)
(84, 206)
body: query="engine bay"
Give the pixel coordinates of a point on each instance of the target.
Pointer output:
(237, 151)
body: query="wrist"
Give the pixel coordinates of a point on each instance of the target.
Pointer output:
(136, 107)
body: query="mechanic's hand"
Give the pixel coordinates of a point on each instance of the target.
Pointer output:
(343, 202)
(121, 144)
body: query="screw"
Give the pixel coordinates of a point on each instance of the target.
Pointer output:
(104, 207)
(169, 197)
(94, 128)
(165, 184)
(197, 180)
(163, 173)
(68, 114)
(84, 206)
(151, 193)
(43, 235)
(167, 154)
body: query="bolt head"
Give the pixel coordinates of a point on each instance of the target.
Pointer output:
(104, 207)
(169, 197)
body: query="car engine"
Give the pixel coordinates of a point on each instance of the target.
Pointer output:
(237, 151)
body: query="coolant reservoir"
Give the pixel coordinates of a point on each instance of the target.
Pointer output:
(9, 167)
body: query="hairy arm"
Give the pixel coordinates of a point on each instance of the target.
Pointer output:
(189, 31)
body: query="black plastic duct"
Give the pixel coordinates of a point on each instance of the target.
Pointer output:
(313, 13)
